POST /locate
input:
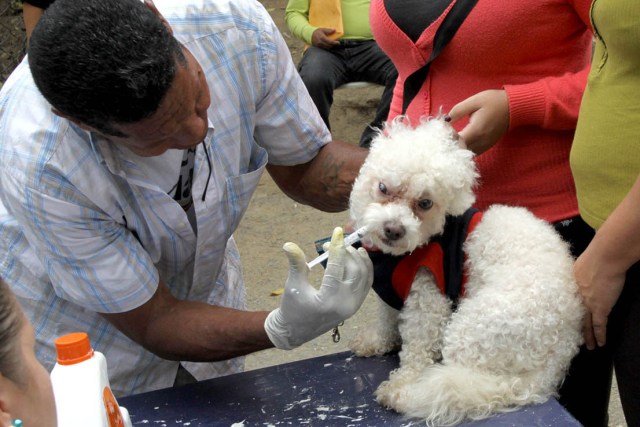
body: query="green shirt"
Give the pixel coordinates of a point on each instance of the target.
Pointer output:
(605, 156)
(355, 19)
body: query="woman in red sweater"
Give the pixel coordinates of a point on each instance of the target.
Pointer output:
(512, 80)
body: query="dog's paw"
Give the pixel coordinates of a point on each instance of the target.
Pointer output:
(392, 394)
(369, 343)
(387, 394)
(398, 392)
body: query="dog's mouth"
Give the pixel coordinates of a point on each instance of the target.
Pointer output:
(391, 228)
(387, 245)
(389, 242)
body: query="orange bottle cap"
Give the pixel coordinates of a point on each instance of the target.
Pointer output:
(73, 348)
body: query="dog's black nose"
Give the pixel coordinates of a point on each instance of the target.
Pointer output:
(393, 230)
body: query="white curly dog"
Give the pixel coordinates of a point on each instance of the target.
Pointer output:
(509, 339)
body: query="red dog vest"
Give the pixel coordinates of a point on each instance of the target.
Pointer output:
(443, 257)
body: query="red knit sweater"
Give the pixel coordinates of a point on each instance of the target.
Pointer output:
(539, 52)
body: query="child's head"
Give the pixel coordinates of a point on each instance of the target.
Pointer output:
(25, 387)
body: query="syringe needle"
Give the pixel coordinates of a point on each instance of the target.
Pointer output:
(348, 241)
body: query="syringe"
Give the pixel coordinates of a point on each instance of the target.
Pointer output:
(348, 241)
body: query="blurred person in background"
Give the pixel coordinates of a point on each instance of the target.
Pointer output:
(333, 58)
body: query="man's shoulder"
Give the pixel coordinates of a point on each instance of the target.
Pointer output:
(30, 133)
(233, 36)
(23, 109)
(22, 106)
(201, 18)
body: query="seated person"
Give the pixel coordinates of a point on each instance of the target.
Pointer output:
(329, 63)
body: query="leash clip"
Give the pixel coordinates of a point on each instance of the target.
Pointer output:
(335, 334)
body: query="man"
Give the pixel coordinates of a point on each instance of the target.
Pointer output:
(122, 197)
(330, 62)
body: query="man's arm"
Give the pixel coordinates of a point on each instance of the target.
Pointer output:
(190, 330)
(326, 181)
(195, 331)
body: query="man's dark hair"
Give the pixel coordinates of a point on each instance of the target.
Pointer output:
(103, 62)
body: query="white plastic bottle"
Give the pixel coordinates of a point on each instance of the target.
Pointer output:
(81, 386)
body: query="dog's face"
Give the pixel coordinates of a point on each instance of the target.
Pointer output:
(411, 180)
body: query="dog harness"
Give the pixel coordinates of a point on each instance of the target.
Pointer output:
(443, 256)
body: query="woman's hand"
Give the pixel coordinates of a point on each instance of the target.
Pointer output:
(600, 287)
(488, 113)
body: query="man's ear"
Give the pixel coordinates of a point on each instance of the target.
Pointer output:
(74, 121)
(152, 7)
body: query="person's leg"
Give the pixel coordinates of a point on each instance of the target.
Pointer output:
(322, 71)
(623, 335)
(586, 389)
(367, 62)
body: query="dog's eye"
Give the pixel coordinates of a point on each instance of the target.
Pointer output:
(425, 204)
(382, 188)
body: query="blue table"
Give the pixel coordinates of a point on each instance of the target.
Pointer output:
(333, 390)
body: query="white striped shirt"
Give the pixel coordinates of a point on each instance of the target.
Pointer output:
(89, 226)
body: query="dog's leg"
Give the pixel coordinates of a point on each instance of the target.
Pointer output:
(422, 323)
(379, 338)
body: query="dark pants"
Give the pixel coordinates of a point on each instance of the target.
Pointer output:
(324, 70)
(623, 340)
(587, 388)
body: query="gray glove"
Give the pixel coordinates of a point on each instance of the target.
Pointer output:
(306, 313)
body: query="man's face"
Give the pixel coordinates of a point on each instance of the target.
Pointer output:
(181, 120)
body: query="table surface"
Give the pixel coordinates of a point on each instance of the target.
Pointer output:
(333, 390)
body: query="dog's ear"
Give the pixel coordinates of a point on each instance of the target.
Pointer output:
(463, 178)
(379, 137)
(463, 172)
(454, 133)
(460, 140)
(461, 202)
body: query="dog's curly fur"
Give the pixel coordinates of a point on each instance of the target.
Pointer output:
(510, 341)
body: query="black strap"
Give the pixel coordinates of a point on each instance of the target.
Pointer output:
(452, 241)
(444, 34)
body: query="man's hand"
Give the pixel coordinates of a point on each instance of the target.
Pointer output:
(306, 313)
(488, 113)
(321, 39)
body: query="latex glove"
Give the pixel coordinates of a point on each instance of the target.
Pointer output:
(305, 312)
